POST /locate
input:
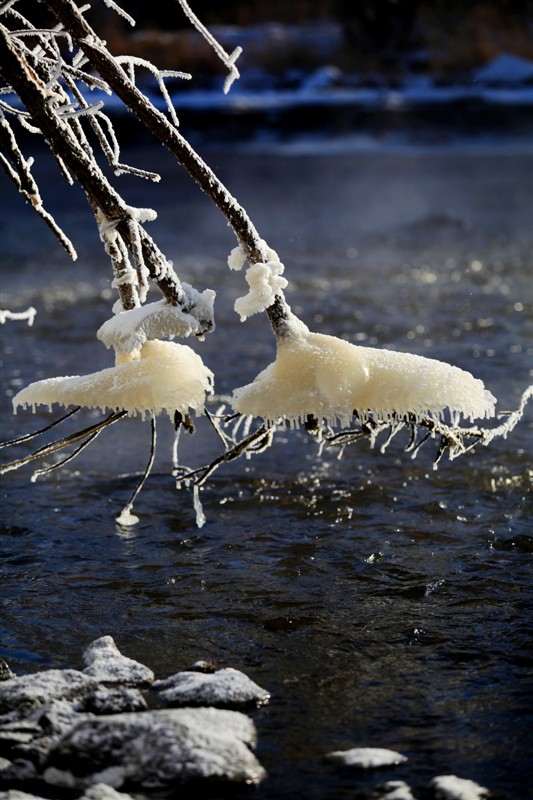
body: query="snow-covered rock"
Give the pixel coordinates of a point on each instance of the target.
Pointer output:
(367, 757)
(100, 791)
(17, 695)
(450, 787)
(395, 790)
(155, 749)
(106, 663)
(116, 701)
(225, 688)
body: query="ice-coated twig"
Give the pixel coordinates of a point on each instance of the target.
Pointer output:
(19, 170)
(452, 440)
(120, 11)
(126, 518)
(58, 464)
(72, 438)
(227, 59)
(165, 132)
(32, 435)
(133, 61)
(28, 78)
(256, 442)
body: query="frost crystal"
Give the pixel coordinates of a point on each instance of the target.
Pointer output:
(329, 378)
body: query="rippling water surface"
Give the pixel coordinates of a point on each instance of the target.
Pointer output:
(382, 603)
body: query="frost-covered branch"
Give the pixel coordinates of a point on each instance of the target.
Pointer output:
(251, 444)
(50, 92)
(452, 440)
(168, 134)
(59, 444)
(228, 60)
(19, 170)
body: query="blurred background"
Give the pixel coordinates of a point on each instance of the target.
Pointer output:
(335, 64)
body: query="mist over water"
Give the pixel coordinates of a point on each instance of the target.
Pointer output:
(380, 602)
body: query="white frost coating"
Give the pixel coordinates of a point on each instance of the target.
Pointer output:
(142, 214)
(329, 378)
(120, 11)
(163, 376)
(449, 787)
(236, 258)
(129, 330)
(265, 282)
(367, 757)
(28, 315)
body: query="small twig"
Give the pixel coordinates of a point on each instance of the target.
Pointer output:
(48, 449)
(125, 518)
(28, 436)
(76, 452)
(256, 442)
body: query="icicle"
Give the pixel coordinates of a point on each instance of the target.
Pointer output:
(200, 516)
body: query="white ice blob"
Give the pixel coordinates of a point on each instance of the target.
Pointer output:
(161, 377)
(329, 378)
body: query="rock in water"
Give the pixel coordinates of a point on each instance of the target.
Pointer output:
(156, 749)
(449, 787)
(5, 672)
(116, 701)
(367, 757)
(106, 663)
(100, 791)
(394, 790)
(225, 688)
(17, 695)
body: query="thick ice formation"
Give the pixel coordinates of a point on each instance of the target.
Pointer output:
(329, 378)
(163, 376)
(129, 330)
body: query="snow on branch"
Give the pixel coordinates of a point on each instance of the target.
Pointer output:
(28, 315)
(131, 62)
(120, 11)
(58, 115)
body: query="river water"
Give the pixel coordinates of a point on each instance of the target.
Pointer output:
(382, 603)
